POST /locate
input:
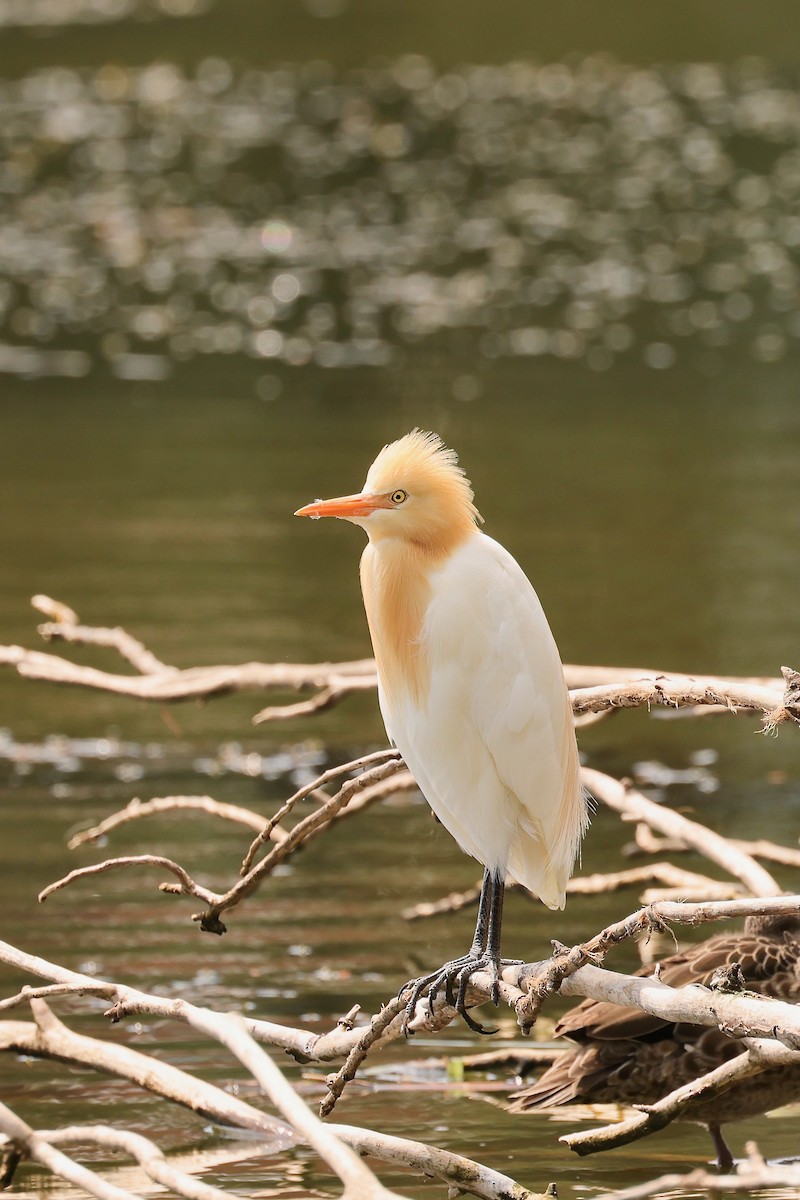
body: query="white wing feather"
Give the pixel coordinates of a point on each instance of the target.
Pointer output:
(492, 747)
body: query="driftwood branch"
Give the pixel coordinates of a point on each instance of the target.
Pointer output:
(350, 768)
(160, 683)
(373, 782)
(777, 704)
(631, 804)
(542, 979)
(145, 1152)
(136, 809)
(571, 971)
(752, 1017)
(758, 1056)
(50, 1038)
(646, 842)
(752, 1175)
(230, 1030)
(37, 1148)
(128, 1001)
(186, 886)
(593, 689)
(691, 885)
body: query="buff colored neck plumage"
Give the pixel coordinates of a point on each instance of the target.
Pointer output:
(396, 585)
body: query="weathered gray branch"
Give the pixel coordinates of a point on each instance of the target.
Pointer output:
(594, 689)
(50, 1038)
(145, 1152)
(371, 782)
(752, 1175)
(691, 885)
(631, 804)
(40, 1150)
(759, 1055)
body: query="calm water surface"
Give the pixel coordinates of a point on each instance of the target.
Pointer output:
(655, 515)
(650, 494)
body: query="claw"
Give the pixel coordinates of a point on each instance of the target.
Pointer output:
(454, 977)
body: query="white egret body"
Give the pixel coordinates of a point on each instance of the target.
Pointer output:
(470, 682)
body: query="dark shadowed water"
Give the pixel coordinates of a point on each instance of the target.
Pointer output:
(229, 281)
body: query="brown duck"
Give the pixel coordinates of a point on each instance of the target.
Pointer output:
(626, 1056)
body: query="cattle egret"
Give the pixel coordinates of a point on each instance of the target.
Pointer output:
(470, 687)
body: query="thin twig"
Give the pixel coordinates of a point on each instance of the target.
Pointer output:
(136, 809)
(337, 1082)
(348, 768)
(186, 885)
(630, 803)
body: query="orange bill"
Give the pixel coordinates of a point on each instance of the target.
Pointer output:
(361, 505)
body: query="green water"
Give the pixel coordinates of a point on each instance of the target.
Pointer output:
(655, 510)
(657, 521)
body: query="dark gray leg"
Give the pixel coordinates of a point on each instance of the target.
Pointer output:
(483, 923)
(484, 952)
(724, 1156)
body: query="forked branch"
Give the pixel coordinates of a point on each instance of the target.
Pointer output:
(594, 689)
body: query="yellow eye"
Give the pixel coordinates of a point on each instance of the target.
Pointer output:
(399, 496)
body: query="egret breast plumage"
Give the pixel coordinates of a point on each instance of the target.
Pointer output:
(470, 682)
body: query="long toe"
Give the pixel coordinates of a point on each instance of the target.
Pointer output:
(454, 978)
(461, 1007)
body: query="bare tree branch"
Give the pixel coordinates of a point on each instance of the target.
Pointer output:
(632, 804)
(753, 1175)
(186, 885)
(647, 842)
(776, 705)
(758, 1056)
(36, 1148)
(51, 1038)
(230, 1030)
(584, 675)
(387, 765)
(691, 885)
(145, 1152)
(326, 777)
(459, 1173)
(136, 809)
(377, 1027)
(193, 683)
(540, 980)
(596, 689)
(127, 646)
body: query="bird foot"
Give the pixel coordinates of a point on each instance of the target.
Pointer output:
(454, 978)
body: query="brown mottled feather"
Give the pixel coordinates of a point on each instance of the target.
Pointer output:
(627, 1056)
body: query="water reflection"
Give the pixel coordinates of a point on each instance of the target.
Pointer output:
(586, 212)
